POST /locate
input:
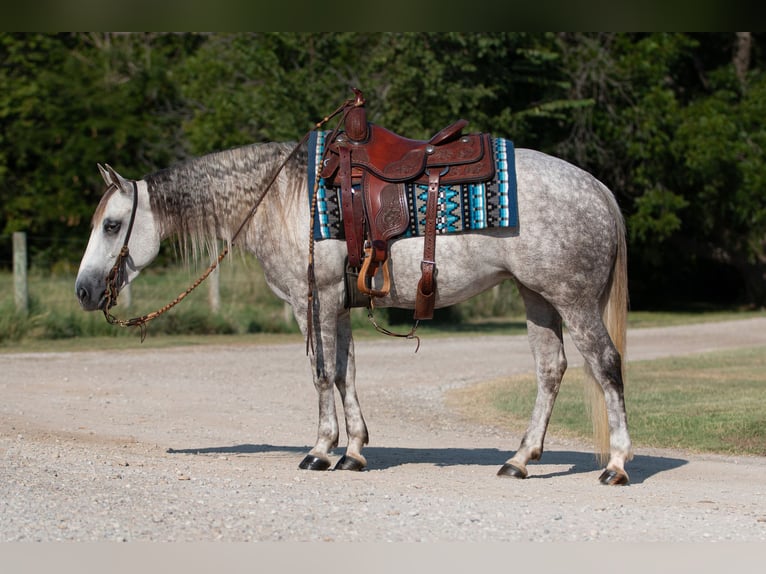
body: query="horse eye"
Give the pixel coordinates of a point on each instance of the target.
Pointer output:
(111, 226)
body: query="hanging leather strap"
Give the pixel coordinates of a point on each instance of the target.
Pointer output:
(352, 210)
(426, 295)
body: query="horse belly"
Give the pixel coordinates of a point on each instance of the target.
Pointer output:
(466, 265)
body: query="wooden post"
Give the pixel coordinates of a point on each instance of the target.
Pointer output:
(20, 272)
(126, 297)
(214, 290)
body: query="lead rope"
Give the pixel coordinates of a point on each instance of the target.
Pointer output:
(114, 274)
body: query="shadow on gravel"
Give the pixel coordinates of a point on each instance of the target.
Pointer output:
(640, 468)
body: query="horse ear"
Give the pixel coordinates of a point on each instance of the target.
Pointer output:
(104, 174)
(112, 177)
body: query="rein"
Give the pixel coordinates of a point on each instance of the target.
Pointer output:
(112, 278)
(118, 268)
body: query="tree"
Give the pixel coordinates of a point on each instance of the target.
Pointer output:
(720, 145)
(70, 101)
(676, 130)
(673, 123)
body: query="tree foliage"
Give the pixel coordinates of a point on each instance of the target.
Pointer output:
(672, 122)
(70, 101)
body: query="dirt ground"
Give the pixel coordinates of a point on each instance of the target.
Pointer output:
(203, 443)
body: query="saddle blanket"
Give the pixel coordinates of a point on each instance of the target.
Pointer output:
(464, 207)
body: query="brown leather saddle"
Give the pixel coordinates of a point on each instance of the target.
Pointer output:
(371, 165)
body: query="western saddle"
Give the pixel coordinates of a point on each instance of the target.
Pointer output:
(371, 165)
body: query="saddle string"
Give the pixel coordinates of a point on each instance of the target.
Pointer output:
(409, 335)
(113, 276)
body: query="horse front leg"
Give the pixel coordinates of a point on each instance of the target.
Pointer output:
(333, 366)
(327, 428)
(345, 377)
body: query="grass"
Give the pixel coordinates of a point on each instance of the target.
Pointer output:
(248, 307)
(641, 319)
(713, 402)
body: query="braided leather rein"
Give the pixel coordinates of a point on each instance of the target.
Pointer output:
(113, 277)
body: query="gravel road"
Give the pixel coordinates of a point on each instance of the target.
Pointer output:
(203, 443)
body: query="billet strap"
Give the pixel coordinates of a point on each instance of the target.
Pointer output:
(352, 210)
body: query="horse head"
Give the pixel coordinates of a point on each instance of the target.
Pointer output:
(111, 225)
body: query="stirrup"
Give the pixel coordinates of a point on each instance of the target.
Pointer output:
(365, 274)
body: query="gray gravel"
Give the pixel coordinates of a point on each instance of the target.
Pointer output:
(203, 444)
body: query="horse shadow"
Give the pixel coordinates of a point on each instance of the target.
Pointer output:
(641, 468)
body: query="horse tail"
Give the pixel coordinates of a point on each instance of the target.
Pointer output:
(614, 305)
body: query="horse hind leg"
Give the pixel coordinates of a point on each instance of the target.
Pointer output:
(546, 342)
(604, 371)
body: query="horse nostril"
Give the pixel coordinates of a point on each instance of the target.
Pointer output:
(82, 294)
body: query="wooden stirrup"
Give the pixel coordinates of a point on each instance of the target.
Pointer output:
(366, 273)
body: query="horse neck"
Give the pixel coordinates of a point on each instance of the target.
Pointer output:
(207, 199)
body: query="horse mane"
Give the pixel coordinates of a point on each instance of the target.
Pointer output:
(203, 200)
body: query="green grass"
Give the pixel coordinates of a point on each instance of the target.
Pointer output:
(248, 307)
(713, 402)
(641, 319)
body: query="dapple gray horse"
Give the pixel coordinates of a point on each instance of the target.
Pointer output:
(568, 259)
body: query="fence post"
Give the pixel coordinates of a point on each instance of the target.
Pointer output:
(126, 296)
(20, 272)
(214, 290)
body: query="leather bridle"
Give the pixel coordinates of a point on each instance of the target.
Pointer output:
(118, 268)
(119, 265)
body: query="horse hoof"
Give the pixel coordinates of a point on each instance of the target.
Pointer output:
(613, 478)
(312, 462)
(348, 463)
(511, 470)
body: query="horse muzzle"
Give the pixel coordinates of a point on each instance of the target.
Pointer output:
(90, 296)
